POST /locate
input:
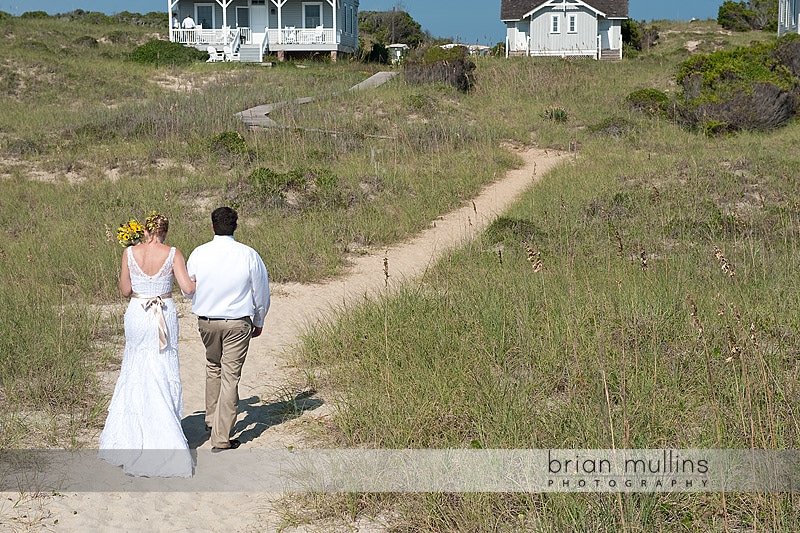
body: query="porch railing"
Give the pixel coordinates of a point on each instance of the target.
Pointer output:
(211, 37)
(304, 36)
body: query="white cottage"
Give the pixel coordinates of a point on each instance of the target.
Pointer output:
(788, 16)
(561, 28)
(246, 30)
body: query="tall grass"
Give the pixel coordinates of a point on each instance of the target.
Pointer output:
(663, 315)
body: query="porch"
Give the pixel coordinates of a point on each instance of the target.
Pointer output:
(251, 29)
(602, 51)
(280, 41)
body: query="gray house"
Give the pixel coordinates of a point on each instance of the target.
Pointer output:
(562, 28)
(246, 30)
(788, 15)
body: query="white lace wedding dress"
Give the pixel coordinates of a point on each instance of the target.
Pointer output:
(143, 432)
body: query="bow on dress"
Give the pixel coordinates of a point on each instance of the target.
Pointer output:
(156, 304)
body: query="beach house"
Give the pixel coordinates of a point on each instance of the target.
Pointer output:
(247, 30)
(562, 28)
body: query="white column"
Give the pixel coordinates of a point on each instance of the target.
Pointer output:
(333, 5)
(170, 6)
(279, 4)
(224, 5)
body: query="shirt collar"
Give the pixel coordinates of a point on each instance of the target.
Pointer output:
(222, 237)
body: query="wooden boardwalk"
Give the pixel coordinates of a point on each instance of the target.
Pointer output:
(259, 116)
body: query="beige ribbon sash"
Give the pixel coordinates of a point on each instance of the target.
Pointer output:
(157, 304)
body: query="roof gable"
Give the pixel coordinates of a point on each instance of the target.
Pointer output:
(516, 9)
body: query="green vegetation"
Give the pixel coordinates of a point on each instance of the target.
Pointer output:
(164, 53)
(661, 311)
(387, 27)
(452, 66)
(752, 87)
(651, 101)
(750, 15)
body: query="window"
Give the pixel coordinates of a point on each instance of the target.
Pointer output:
(312, 15)
(554, 24)
(258, 2)
(204, 15)
(572, 24)
(242, 17)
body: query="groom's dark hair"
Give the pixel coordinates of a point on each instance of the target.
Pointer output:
(224, 219)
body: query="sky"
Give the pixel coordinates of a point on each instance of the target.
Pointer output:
(467, 21)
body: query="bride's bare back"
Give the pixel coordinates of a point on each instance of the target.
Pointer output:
(150, 256)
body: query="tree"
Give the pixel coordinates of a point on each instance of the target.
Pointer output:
(388, 27)
(639, 35)
(746, 16)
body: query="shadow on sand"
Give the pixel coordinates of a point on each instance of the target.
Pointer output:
(258, 417)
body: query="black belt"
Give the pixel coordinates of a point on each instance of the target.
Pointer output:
(207, 318)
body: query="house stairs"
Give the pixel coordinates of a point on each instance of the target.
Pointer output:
(250, 53)
(607, 54)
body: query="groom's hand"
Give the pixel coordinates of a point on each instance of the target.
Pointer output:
(256, 332)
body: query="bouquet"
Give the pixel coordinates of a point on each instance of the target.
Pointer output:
(130, 233)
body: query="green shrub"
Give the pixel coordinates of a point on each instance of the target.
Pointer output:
(787, 53)
(297, 190)
(34, 15)
(514, 230)
(160, 53)
(713, 128)
(4, 15)
(435, 54)
(613, 126)
(119, 37)
(747, 88)
(650, 101)
(452, 66)
(556, 114)
(268, 183)
(229, 142)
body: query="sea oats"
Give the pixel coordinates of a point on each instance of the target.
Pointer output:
(534, 257)
(386, 271)
(696, 318)
(753, 338)
(733, 346)
(617, 238)
(724, 264)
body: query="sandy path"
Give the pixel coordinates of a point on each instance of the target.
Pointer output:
(267, 381)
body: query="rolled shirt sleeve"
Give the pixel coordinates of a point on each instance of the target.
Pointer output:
(260, 280)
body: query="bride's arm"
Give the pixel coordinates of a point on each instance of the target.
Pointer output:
(186, 284)
(125, 286)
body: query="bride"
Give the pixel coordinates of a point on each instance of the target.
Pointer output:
(143, 432)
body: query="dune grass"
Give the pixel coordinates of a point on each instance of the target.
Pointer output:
(633, 333)
(663, 314)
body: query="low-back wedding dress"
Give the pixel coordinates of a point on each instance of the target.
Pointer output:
(143, 432)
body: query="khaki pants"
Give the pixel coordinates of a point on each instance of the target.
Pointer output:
(226, 342)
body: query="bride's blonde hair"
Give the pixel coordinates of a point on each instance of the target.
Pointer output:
(157, 224)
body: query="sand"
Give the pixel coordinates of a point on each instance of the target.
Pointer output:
(268, 378)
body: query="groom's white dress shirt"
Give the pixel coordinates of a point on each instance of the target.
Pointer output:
(232, 281)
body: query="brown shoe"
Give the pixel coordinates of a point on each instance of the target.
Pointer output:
(234, 443)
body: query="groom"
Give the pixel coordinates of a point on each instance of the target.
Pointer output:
(231, 302)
